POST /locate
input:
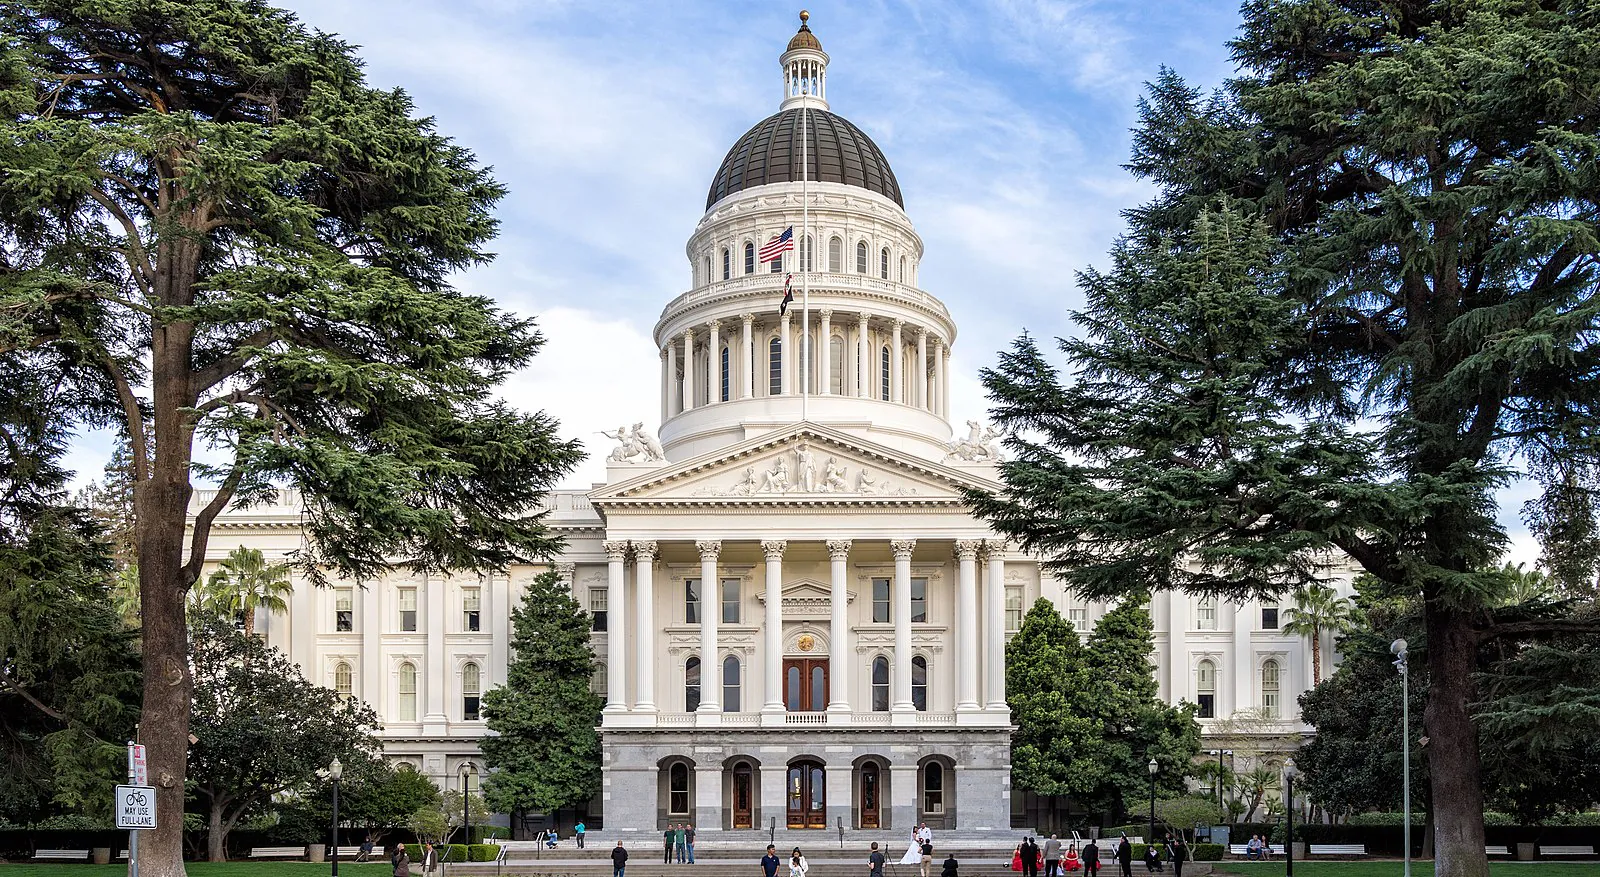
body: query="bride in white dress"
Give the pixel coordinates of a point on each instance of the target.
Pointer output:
(913, 854)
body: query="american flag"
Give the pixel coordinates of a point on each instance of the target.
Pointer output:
(776, 247)
(788, 295)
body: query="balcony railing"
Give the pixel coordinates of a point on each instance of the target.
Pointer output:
(821, 284)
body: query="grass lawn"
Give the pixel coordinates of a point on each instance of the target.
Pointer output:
(203, 869)
(1395, 868)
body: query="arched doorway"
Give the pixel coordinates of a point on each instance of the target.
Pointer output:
(870, 791)
(807, 794)
(743, 795)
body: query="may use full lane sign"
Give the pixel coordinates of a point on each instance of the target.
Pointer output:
(136, 807)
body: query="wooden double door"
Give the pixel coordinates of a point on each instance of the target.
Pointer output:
(805, 685)
(808, 795)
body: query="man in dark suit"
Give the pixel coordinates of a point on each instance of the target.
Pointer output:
(1091, 859)
(1125, 856)
(1030, 858)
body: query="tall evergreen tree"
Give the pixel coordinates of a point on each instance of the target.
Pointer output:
(217, 232)
(1420, 323)
(545, 752)
(1046, 680)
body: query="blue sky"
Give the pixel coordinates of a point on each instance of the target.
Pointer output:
(1005, 122)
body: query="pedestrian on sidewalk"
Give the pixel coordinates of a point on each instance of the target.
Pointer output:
(619, 860)
(875, 862)
(578, 830)
(666, 841)
(400, 861)
(688, 841)
(769, 862)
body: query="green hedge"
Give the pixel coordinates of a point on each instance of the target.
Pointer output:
(1206, 852)
(483, 852)
(447, 852)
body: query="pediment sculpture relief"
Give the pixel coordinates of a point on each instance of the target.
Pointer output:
(776, 477)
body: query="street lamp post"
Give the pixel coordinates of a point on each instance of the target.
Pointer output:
(1222, 812)
(335, 770)
(1289, 772)
(1154, 768)
(1398, 648)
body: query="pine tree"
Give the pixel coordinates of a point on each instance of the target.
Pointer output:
(545, 752)
(1418, 328)
(218, 233)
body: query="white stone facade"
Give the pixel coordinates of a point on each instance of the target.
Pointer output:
(850, 657)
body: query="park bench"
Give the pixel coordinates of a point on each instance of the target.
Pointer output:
(1492, 850)
(1242, 849)
(349, 854)
(1547, 850)
(1338, 849)
(277, 852)
(61, 855)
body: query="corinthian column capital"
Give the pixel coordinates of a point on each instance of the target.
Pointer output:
(644, 552)
(902, 548)
(709, 548)
(773, 548)
(838, 549)
(615, 549)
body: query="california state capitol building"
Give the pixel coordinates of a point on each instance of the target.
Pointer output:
(797, 620)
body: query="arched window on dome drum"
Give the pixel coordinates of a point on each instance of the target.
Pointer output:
(902, 269)
(880, 684)
(883, 264)
(730, 684)
(835, 255)
(691, 685)
(777, 265)
(408, 692)
(883, 373)
(342, 680)
(727, 368)
(726, 264)
(1269, 689)
(749, 258)
(861, 257)
(705, 272)
(836, 365)
(919, 683)
(471, 690)
(774, 366)
(1205, 685)
(805, 254)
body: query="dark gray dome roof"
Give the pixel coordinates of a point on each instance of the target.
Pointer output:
(838, 152)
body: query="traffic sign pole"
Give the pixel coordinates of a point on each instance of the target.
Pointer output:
(136, 770)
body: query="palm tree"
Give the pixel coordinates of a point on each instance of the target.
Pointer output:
(1316, 609)
(245, 582)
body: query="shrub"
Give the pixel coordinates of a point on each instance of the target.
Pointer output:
(483, 852)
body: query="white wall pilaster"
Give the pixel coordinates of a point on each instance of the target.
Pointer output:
(433, 688)
(374, 681)
(994, 624)
(866, 366)
(497, 616)
(747, 370)
(825, 357)
(786, 377)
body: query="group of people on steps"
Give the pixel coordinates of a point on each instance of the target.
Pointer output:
(1056, 859)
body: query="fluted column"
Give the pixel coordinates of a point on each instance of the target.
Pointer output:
(824, 359)
(902, 548)
(666, 384)
(714, 363)
(747, 369)
(686, 380)
(786, 357)
(967, 624)
(773, 549)
(866, 368)
(841, 651)
(616, 628)
(994, 626)
(644, 641)
(710, 614)
(919, 375)
(896, 366)
(944, 380)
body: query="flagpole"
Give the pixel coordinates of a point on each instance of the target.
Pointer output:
(805, 252)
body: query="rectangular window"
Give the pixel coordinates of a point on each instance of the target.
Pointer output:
(1269, 615)
(1208, 707)
(880, 601)
(1079, 618)
(597, 608)
(919, 601)
(691, 601)
(471, 619)
(344, 606)
(408, 610)
(1013, 608)
(774, 367)
(732, 608)
(1205, 617)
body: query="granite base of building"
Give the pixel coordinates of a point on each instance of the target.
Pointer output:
(799, 779)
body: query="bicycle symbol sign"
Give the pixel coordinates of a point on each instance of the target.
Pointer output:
(136, 807)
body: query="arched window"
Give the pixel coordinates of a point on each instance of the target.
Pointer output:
(861, 257)
(883, 264)
(777, 265)
(919, 683)
(727, 371)
(471, 688)
(836, 365)
(749, 258)
(1269, 688)
(774, 366)
(469, 778)
(1205, 686)
(730, 684)
(705, 270)
(835, 255)
(691, 685)
(880, 684)
(805, 254)
(727, 266)
(933, 788)
(678, 789)
(342, 678)
(902, 269)
(599, 684)
(408, 692)
(883, 378)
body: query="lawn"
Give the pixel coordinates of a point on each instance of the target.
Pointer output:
(1395, 868)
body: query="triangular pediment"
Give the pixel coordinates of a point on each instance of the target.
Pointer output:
(804, 463)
